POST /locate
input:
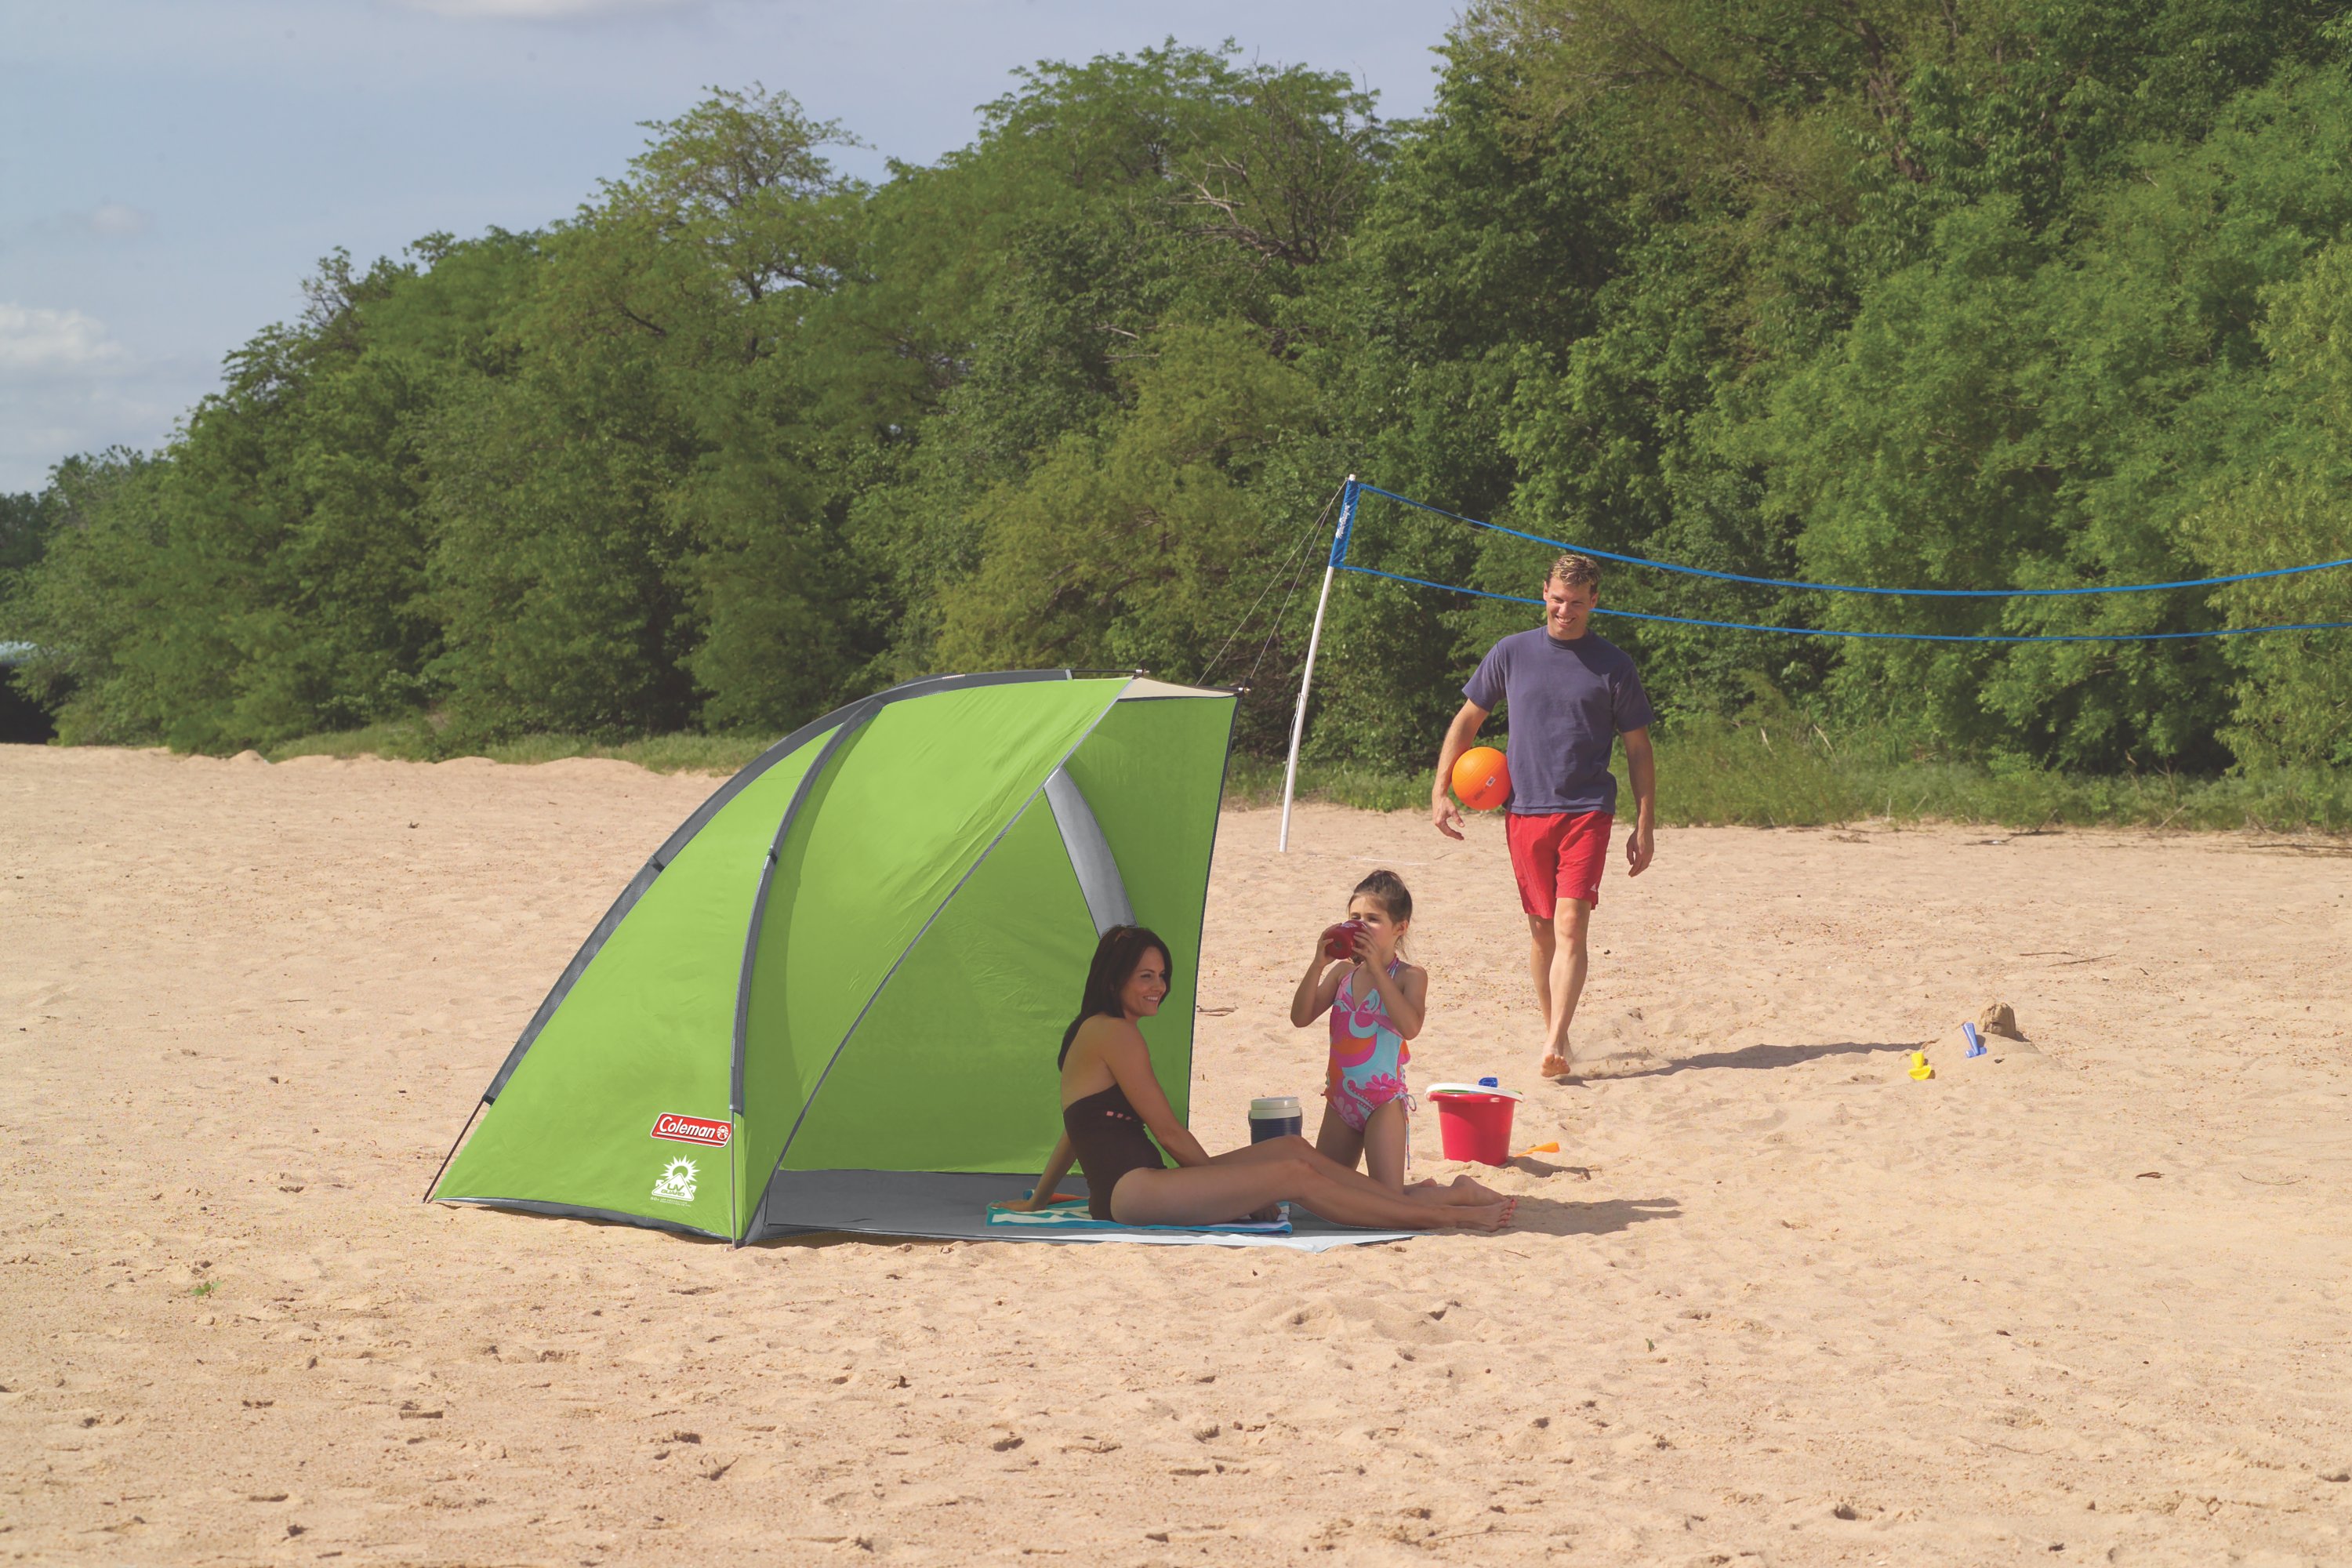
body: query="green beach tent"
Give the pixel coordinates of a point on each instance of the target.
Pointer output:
(842, 981)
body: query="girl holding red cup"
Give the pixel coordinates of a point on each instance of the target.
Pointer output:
(1378, 1003)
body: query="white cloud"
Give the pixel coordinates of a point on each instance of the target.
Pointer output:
(32, 339)
(67, 385)
(542, 10)
(111, 220)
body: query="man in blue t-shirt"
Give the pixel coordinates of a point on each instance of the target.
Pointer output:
(1571, 694)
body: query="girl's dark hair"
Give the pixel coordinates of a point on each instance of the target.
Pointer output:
(1116, 955)
(1389, 890)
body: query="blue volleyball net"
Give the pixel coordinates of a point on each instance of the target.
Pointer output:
(1343, 539)
(1352, 493)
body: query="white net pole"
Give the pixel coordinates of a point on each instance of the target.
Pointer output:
(1314, 642)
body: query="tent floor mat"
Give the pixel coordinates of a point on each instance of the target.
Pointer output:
(953, 1206)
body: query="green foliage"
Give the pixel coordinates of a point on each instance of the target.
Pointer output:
(26, 523)
(1927, 293)
(1122, 547)
(2285, 499)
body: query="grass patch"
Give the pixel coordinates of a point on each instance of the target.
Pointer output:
(414, 741)
(1795, 775)
(1257, 781)
(1786, 774)
(661, 753)
(408, 740)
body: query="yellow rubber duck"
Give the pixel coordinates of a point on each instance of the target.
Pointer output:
(1919, 1067)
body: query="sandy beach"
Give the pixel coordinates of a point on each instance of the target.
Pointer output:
(2088, 1299)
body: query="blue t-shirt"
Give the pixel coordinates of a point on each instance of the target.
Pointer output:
(1569, 701)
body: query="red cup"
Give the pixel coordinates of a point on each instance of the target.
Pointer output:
(1339, 941)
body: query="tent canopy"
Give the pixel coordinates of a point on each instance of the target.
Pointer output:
(859, 955)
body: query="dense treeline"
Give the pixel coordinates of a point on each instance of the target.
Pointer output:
(1941, 293)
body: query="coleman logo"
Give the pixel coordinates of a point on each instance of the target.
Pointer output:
(692, 1129)
(676, 1184)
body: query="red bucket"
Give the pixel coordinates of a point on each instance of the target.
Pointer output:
(1474, 1122)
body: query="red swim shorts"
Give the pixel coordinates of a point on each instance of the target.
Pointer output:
(1558, 856)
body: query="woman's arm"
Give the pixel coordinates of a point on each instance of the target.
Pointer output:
(1316, 988)
(1057, 1166)
(1119, 1047)
(1405, 996)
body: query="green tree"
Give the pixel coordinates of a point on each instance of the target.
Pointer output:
(1123, 549)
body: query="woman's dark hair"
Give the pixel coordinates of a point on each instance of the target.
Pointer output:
(1116, 955)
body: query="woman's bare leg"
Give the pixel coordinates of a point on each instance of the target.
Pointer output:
(1217, 1193)
(1274, 1151)
(1460, 1190)
(1278, 1149)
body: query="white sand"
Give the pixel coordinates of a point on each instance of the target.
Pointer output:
(1772, 1302)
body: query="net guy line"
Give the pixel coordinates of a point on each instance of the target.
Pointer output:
(1877, 637)
(1850, 588)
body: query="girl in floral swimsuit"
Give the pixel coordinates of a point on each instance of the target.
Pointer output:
(1378, 1001)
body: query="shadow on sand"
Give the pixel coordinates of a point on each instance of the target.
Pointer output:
(1535, 1167)
(1555, 1216)
(1758, 1057)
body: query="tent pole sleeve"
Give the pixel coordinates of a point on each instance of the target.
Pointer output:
(853, 720)
(1314, 642)
(1100, 883)
(453, 1150)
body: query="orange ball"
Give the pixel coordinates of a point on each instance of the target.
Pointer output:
(1482, 779)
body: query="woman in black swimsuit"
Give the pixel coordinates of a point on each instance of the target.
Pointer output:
(1111, 1098)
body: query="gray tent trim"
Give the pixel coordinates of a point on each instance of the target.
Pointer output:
(1091, 857)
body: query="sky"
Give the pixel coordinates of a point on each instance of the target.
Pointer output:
(172, 169)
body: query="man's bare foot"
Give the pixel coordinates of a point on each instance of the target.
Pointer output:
(1482, 1216)
(1556, 1066)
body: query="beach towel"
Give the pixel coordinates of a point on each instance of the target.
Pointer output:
(1066, 1213)
(954, 1206)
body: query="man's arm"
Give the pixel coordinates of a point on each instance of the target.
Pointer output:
(1644, 766)
(1444, 813)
